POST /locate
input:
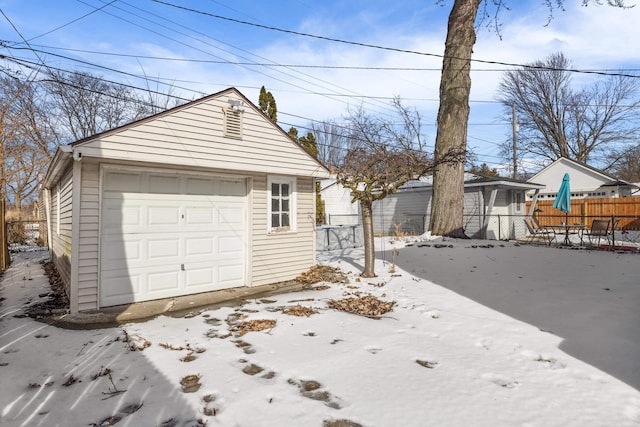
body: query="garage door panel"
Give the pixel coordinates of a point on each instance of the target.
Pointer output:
(231, 215)
(202, 215)
(161, 284)
(201, 186)
(163, 215)
(202, 246)
(163, 249)
(170, 235)
(115, 215)
(229, 276)
(118, 287)
(118, 254)
(122, 182)
(200, 277)
(231, 245)
(163, 184)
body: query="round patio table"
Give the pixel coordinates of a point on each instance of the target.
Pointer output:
(566, 229)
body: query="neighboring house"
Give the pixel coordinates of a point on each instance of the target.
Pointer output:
(586, 182)
(493, 207)
(337, 204)
(205, 196)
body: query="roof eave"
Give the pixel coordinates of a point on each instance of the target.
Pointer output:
(59, 163)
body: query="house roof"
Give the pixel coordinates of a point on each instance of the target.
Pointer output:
(471, 180)
(477, 180)
(620, 183)
(600, 178)
(579, 165)
(64, 153)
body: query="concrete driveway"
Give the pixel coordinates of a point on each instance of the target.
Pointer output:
(589, 298)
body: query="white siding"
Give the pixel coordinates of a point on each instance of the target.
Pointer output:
(274, 257)
(585, 182)
(474, 210)
(337, 204)
(61, 223)
(404, 213)
(194, 137)
(282, 256)
(190, 138)
(88, 243)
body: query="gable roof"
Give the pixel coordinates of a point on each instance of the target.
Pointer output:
(173, 134)
(599, 178)
(577, 165)
(478, 180)
(470, 180)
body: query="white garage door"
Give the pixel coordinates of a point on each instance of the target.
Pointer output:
(168, 235)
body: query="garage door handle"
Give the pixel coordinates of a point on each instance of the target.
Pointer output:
(182, 267)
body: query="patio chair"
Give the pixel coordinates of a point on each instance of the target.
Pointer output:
(599, 229)
(538, 232)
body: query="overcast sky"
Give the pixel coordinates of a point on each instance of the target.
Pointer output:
(201, 54)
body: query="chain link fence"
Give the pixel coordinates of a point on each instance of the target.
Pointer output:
(623, 232)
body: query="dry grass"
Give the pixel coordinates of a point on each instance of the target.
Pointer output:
(322, 273)
(368, 306)
(253, 326)
(300, 310)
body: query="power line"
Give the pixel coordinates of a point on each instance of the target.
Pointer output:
(72, 22)
(271, 64)
(393, 49)
(315, 82)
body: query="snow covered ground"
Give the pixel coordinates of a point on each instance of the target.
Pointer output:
(436, 359)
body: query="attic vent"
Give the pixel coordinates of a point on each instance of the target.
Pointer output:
(233, 123)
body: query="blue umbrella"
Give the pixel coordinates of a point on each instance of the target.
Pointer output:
(563, 198)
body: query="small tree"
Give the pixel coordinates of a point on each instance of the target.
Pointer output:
(309, 144)
(383, 157)
(267, 104)
(483, 169)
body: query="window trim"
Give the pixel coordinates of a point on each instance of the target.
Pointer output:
(293, 195)
(518, 199)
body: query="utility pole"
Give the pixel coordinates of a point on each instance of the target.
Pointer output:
(515, 129)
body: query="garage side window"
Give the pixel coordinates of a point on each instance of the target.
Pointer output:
(281, 199)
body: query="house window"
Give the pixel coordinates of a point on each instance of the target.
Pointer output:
(518, 200)
(281, 195)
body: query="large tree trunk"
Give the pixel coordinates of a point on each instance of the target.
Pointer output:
(453, 117)
(369, 248)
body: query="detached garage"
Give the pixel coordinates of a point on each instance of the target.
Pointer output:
(206, 196)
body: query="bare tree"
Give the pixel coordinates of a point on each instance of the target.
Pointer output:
(557, 120)
(26, 138)
(25, 168)
(626, 163)
(86, 104)
(332, 142)
(383, 156)
(453, 114)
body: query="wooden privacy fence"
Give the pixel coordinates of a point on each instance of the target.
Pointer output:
(4, 243)
(626, 210)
